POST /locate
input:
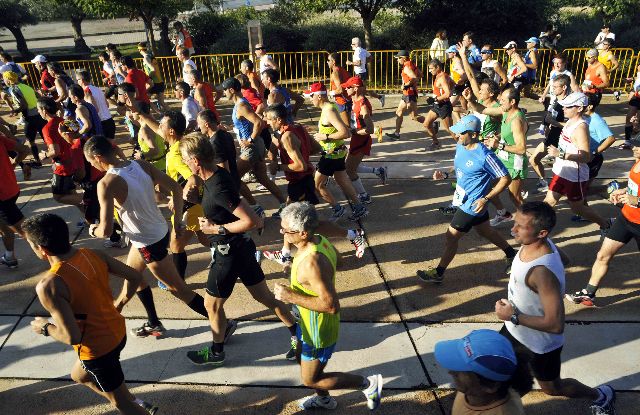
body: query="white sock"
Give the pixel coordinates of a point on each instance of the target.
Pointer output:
(8, 254)
(351, 234)
(501, 212)
(366, 169)
(357, 185)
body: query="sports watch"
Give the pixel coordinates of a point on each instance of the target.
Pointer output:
(222, 230)
(514, 317)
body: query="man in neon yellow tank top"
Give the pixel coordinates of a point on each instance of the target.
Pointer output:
(313, 291)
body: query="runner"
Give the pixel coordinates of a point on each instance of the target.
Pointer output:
(251, 95)
(224, 147)
(491, 67)
(129, 187)
(279, 94)
(359, 62)
(190, 107)
(86, 115)
(11, 216)
(313, 291)
(265, 60)
(517, 69)
(476, 168)
(139, 79)
(47, 82)
(534, 314)
(410, 76)
(606, 57)
(570, 170)
(226, 221)
(473, 55)
(96, 97)
(441, 107)
(151, 68)
(632, 110)
(63, 82)
(247, 68)
(339, 76)
(75, 291)
(360, 145)
(108, 78)
(596, 78)
(183, 38)
(186, 62)
(605, 33)
(460, 82)
(203, 92)
(331, 135)
(600, 139)
(532, 62)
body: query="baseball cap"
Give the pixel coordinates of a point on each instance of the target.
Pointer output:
(574, 99)
(484, 352)
(467, 123)
(353, 81)
(10, 76)
(231, 83)
(317, 88)
(592, 52)
(452, 49)
(39, 58)
(402, 54)
(510, 45)
(532, 39)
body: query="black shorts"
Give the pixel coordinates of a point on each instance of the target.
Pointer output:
(303, 190)
(594, 165)
(544, 367)
(409, 98)
(364, 76)
(624, 230)
(635, 102)
(553, 136)
(158, 88)
(597, 97)
(328, 167)
(90, 201)
(106, 370)
(109, 128)
(458, 88)
(443, 109)
(32, 126)
(156, 251)
(111, 91)
(62, 185)
(9, 211)
(240, 262)
(463, 221)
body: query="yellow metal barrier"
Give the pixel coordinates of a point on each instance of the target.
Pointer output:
(383, 70)
(299, 69)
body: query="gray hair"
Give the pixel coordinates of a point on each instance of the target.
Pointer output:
(356, 40)
(301, 216)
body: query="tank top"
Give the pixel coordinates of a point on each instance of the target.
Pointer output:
(343, 75)
(439, 91)
(159, 161)
(531, 73)
(604, 57)
(255, 78)
(406, 79)
(287, 102)
(102, 326)
(96, 125)
(591, 74)
(188, 42)
(305, 151)
(152, 70)
(241, 126)
(334, 149)
(456, 76)
(357, 121)
(511, 161)
(208, 95)
(632, 213)
(488, 68)
(30, 98)
(570, 170)
(489, 124)
(101, 102)
(528, 301)
(141, 218)
(318, 329)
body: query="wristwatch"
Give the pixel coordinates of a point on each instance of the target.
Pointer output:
(44, 330)
(514, 317)
(501, 146)
(222, 230)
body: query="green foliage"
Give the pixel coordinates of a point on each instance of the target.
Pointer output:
(14, 14)
(208, 28)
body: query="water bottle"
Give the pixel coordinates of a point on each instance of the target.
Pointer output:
(613, 186)
(378, 133)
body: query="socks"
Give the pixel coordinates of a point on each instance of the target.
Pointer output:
(357, 185)
(366, 169)
(146, 298)
(180, 261)
(351, 234)
(591, 289)
(293, 329)
(217, 347)
(197, 305)
(628, 130)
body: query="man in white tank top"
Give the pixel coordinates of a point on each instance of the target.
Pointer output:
(534, 311)
(570, 170)
(129, 187)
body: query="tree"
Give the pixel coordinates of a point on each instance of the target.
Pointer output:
(73, 10)
(14, 15)
(611, 9)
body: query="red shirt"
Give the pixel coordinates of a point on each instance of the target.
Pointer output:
(63, 164)
(91, 173)
(139, 79)
(251, 95)
(9, 188)
(305, 151)
(46, 80)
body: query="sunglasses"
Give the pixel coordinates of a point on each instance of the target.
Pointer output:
(286, 232)
(486, 52)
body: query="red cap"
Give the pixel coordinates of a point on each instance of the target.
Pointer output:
(318, 87)
(353, 81)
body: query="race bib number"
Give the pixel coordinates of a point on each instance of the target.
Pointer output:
(632, 188)
(458, 196)
(503, 155)
(518, 162)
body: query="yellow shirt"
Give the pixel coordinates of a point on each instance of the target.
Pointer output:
(176, 169)
(604, 57)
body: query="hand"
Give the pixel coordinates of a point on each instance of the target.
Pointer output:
(190, 193)
(462, 49)
(553, 151)
(492, 142)
(438, 175)
(207, 226)
(541, 99)
(38, 323)
(43, 154)
(504, 309)
(627, 199)
(92, 230)
(282, 293)
(320, 137)
(137, 155)
(479, 205)
(245, 143)
(170, 205)
(467, 94)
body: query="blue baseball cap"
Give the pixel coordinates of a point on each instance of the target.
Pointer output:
(467, 123)
(452, 49)
(484, 352)
(532, 39)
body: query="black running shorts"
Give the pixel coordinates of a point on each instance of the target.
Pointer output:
(594, 165)
(109, 128)
(9, 211)
(62, 185)
(303, 190)
(239, 262)
(544, 367)
(553, 136)
(156, 251)
(624, 230)
(443, 109)
(106, 370)
(328, 166)
(463, 221)
(157, 88)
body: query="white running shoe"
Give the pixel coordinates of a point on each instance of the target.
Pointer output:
(542, 186)
(498, 219)
(374, 391)
(317, 402)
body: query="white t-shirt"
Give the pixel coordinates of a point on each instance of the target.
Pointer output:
(190, 109)
(360, 54)
(100, 102)
(602, 36)
(265, 63)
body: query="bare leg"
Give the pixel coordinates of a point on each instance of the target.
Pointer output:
(452, 236)
(606, 253)
(260, 170)
(313, 376)
(535, 160)
(345, 184)
(487, 232)
(261, 293)
(570, 388)
(321, 186)
(217, 316)
(587, 212)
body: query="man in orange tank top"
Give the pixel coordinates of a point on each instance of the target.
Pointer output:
(247, 68)
(339, 76)
(204, 94)
(409, 99)
(625, 228)
(441, 106)
(77, 294)
(596, 78)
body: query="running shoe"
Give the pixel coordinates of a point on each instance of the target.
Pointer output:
(548, 161)
(358, 212)
(317, 402)
(10, 263)
(616, 94)
(206, 356)
(625, 146)
(122, 243)
(359, 243)
(277, 256)
(338, 213)
(448, 210)
(608, 406)
(149, 407)
(258, 256)
(374, 391)
(365, 198)
(162, 285)
(232, 325)
(393, 136)
(261, 188)
(383, 99)
(498, 219)
(433, 147)
(524, 194)
(382, 173)
(581, 297)
(295, 312)
(291, 354)
(542, 186)
(430, 275)
(148, 330)
(277, 214)
(541, 129)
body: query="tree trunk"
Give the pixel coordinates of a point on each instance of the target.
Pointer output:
(21, 43)
(165, 43)
(148, 27)
(79, 43)
(367, 22)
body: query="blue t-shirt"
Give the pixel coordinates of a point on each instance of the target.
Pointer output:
(475, 171)
(474, 55)
(598, 131)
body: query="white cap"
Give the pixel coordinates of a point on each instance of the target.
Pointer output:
(510, 45)
(574, 99)
(39, 58)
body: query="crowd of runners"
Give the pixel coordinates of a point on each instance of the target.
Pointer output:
(195, 164)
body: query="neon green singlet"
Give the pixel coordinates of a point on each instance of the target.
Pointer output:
(335, 149)
(318, 329)
(159, 161)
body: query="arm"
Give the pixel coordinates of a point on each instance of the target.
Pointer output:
(168, 184)
(148, 121)
(614, 63)
(501, 72)
(335, 78)
(271, 63)
(412, 77)
(368, 122)
(153, 150)
(53, 293)
(336, 121)
(518, 127)
(244, 110)
(106, 188)
(132, 279)
(602, 73)
(608, 142)
(522, 68)
(83, 114)
(468, 70)
(298, 102)
(22, 152)
(574, 84)
(200, 98)
(534, 61)
(291, 144)
(61, 89)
